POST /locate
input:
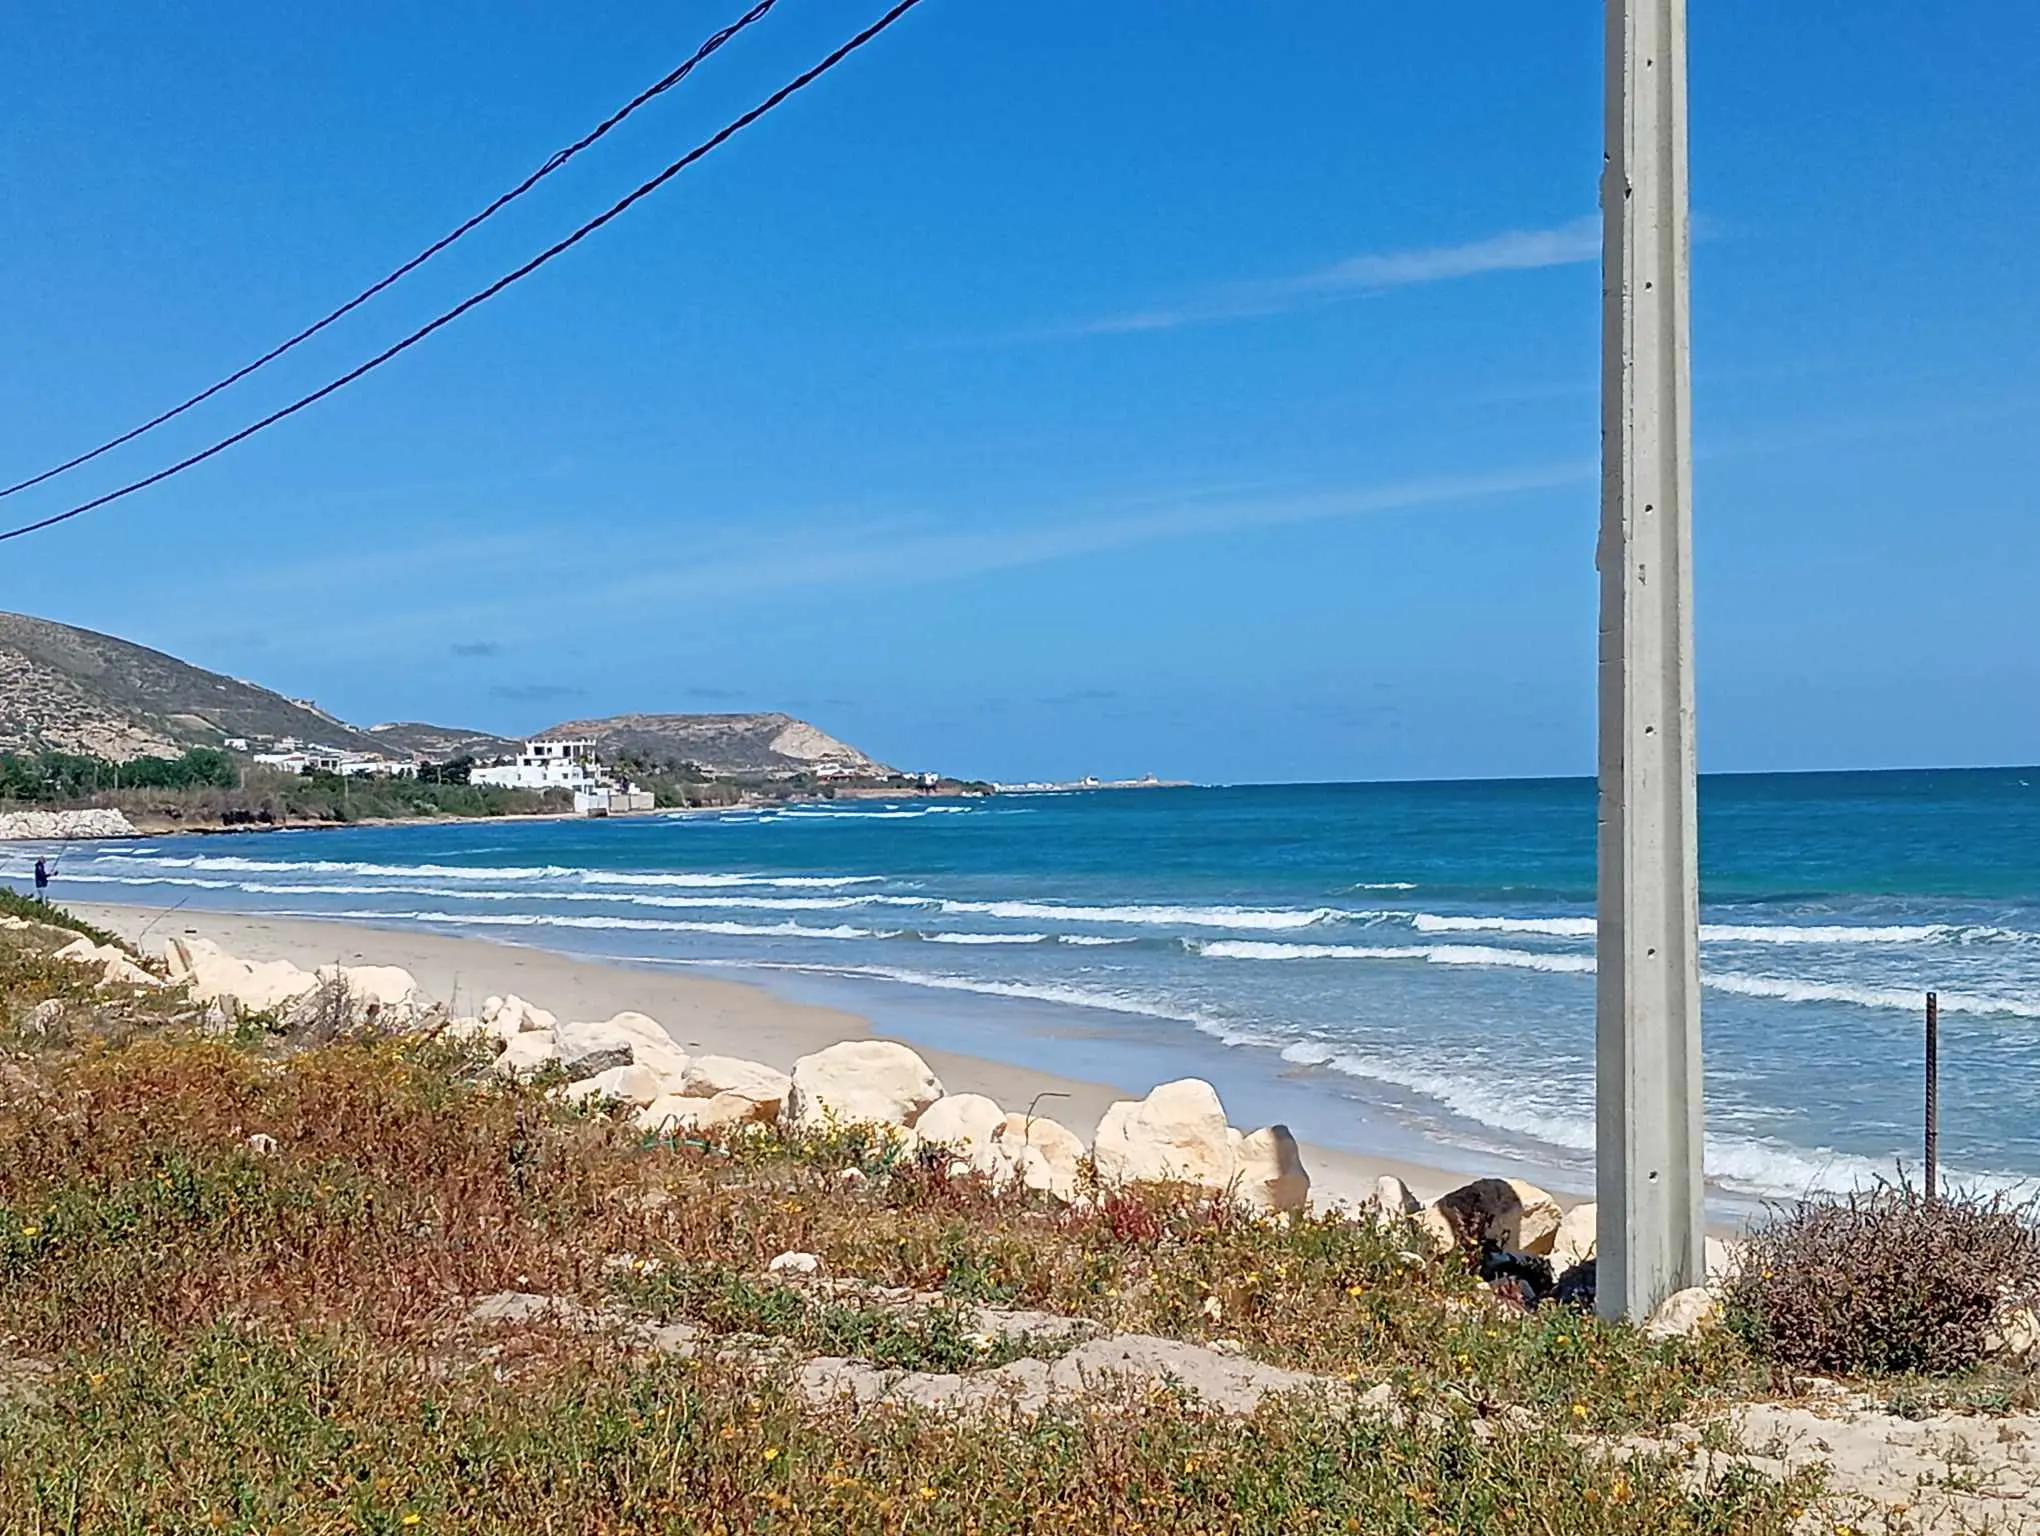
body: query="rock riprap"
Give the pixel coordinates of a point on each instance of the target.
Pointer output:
(65, 826)
(860, 1082)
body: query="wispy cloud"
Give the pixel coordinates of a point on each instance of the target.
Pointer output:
(475, 648)
(742, 566)
(1515, 250)
(868, 558)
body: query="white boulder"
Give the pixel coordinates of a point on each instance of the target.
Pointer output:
(964, 1123)
(588, 1048)
(1268, 1171)
(795, 1264)
(669, 1114)
(2015, 1337)
(113, 965)
(1037, 1153)
(1509, 1213)
(642, 1025)
(512, 1015)
(728, 1110)
(631, 1084)
(708, 1076)
(466, 1028)
(1684, 1312)
(375, 993)
(1577, 1236)
(213, 975)
(1176, 1135)
(860, 1082)
(526, 1054)
(672, 1114)
(1392, 1199)
(1722, 1259)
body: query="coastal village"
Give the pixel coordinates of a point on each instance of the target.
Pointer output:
(568, 764)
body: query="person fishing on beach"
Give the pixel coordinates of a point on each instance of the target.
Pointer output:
(42, 879)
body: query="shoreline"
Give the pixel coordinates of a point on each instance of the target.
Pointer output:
(703, 1015)
(146, 825)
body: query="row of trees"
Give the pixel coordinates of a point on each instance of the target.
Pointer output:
(56, 776)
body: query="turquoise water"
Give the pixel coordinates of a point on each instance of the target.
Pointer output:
(1404, 968)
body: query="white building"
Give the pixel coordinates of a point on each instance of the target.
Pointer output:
(355, 764)
(566, 763)
(296, 759)
(351, 765)
(612, 802)
(557, 764)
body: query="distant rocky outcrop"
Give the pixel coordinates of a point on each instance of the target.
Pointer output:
(761, 743)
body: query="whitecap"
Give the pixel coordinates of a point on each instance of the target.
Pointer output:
(1434, 954)
(1164, 916)
(1908, 1000)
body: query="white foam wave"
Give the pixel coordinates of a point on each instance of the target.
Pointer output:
(1790, 990)
(788, 929)
(1559, 1115)
(985, 938)
(1780, 988)
(1434, 954)
(1172, 917)
(1713, 933)
(1090, 940)
(1551, 927)
(234, 863)
(620, 898)
(1074, 997)
(890, 813)
(1385, 885)
(778, 882)
(1833, 933)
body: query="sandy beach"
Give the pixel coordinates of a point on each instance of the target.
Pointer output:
(702, 1014)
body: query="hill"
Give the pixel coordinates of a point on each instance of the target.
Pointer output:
(411, 738)
(75, 690)
(79, 691)
(771, 744)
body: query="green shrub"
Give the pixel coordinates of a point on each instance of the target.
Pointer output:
(1885, 1282)
(15, 904)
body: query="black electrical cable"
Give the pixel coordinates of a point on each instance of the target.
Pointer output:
(756, 13)
(728, 131)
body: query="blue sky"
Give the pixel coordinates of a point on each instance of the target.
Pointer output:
(1159, 385)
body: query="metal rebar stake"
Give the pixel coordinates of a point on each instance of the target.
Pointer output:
(1933, 1095)
(1647, 1045)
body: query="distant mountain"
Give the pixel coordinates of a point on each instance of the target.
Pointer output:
(74, 690)
(765, 744)
(78, 691)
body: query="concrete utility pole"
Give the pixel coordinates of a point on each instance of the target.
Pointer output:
(1648, 998)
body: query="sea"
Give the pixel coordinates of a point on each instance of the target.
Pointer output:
(1401, 969)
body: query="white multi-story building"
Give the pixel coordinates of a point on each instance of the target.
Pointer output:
(567, 763)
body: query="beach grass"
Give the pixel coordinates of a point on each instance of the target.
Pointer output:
(236, 1277)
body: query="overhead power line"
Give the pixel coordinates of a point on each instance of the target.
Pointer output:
(722, 135)
(659, 88)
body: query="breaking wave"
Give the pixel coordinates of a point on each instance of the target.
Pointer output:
(1434, 954)
(1152, 916)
